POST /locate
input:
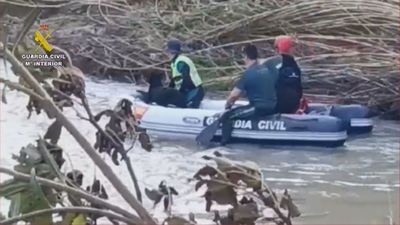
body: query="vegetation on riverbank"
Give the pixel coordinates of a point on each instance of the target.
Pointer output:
(348, 50)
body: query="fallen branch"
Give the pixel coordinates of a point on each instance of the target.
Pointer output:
(98, 212)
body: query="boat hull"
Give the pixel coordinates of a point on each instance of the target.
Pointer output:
(320, 130)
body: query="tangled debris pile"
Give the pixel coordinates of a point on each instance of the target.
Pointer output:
(347, 49)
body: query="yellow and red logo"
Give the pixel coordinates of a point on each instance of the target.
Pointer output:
(42, 40)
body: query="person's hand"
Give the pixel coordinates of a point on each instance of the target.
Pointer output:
(228, 105)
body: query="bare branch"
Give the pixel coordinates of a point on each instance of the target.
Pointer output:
(21, 88)
(53, 110)
(74, 191)
(98, 212)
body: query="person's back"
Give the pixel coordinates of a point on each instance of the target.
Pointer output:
(185, 77)
(259, 84)
(289, 89)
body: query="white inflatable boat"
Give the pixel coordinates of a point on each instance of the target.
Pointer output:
(326, 125)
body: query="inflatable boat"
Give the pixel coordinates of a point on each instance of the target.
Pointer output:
(322, 125)
(356, 118)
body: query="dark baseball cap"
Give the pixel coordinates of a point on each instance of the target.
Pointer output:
(173, 46)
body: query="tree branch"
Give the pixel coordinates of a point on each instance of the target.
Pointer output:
(116, 142)
(29, 21)
(99, 212)
(53, 110)
(91, 198)
(21, 88)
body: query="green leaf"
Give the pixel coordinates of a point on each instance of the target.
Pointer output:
(28, 201)
(15, 205)
(22, 168)
(68, 218)
(176, 220)
(81, 219)
(12, 187)
(45, 170)
(37, 190)
(31, 202)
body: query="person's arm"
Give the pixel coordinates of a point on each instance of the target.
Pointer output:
(171, 83)
(298, 71)
(184, 70)
(236, 92)
(171, 80)
(233, 97)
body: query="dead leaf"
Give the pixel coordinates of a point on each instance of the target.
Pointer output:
(246, 214)
(206, 157)
(144, 140)
(252, 181)
(173, 191)
(199, 184)
(267, 198)
(114, 157)
(206, 171)
(287, 204)
(76, 176)
(154, 195)
(97, 189)
(217, 154)
(192, 218)
(223, 196)
(53, 132)
(246, 200)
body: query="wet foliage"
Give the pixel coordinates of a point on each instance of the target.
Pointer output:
(163, 192)
(120, 126)
(67, 82)
(177, 220)
(27, 197)
(229, 178)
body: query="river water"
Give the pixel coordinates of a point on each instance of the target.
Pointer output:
(354, 184)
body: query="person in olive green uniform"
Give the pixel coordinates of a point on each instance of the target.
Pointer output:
(185, 77)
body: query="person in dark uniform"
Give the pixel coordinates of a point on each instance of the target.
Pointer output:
(185, 77)
(289, 87)
(258, 82)
(161, 95)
